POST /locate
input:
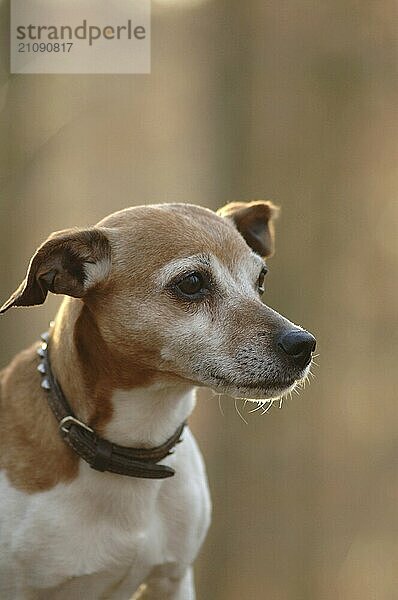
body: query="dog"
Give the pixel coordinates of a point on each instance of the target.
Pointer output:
(103, 488)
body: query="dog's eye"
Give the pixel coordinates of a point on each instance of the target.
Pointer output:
(192, 286)
(261, 280)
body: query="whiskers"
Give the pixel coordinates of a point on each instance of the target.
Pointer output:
(310, 375)
(263, 405)
(238, 411)
(313, 361)
(219, 404)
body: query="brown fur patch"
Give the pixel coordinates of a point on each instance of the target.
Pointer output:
(104, 369)
(31, 450)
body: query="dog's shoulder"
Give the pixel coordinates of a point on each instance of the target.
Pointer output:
(31, 451)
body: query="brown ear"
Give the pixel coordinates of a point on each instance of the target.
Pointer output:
(254, 221)
(69, 262)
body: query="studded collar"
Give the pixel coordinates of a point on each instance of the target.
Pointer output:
(99, 453)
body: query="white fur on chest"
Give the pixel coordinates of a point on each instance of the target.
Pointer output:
(103, 527)
(148, 415)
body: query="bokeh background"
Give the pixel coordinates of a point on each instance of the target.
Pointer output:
(291, 101)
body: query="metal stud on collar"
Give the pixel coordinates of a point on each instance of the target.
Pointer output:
(41, 368)
(69, 420)
(45, 384)
(41, 351)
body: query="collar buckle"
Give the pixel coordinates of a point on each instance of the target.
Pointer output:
(66, 423)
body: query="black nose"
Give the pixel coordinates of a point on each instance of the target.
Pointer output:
(299, 345)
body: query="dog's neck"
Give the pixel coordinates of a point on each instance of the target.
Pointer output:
(148, 417)
(142, 415)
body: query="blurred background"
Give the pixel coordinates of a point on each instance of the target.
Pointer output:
(285, 100)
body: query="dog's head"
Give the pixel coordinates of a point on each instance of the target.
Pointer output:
(175, 291)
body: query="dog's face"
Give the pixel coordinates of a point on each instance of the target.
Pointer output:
(176, 291)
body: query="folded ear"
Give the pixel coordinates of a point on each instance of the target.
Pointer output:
(69, 262)
(254, 221)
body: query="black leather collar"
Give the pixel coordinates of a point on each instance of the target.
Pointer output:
(98, 452)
